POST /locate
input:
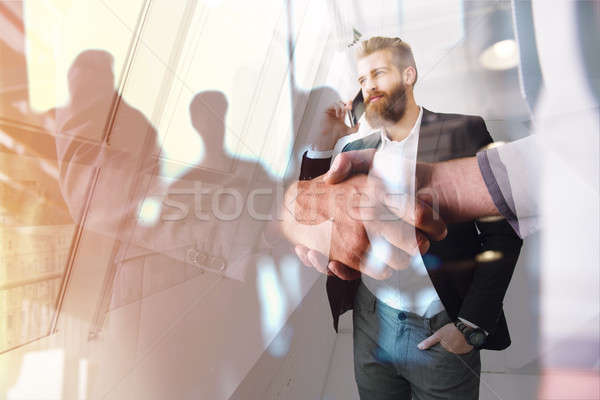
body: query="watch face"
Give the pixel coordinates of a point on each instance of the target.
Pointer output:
(477, 339)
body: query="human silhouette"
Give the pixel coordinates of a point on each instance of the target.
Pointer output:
(230, 200)
(98, 130)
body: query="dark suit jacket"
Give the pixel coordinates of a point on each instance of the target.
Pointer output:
(468, 289)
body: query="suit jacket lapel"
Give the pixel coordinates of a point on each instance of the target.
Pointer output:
(429, 136)
(428, 151)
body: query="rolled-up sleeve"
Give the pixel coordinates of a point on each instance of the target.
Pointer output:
(512, 175)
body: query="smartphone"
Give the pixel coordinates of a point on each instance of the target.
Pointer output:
(358, 108)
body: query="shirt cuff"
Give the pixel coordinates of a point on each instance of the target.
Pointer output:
(472, 325)
(310, 153)
(493, 183)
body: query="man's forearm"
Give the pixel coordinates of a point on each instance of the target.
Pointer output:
(459, 189)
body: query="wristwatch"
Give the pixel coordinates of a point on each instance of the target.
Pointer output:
(475, 336)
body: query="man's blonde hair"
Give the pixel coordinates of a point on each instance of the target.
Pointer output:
(401, 51)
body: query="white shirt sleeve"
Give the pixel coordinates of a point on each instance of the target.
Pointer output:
(512, 174)
(314, 154)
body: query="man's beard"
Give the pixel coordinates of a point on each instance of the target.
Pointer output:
(387, 110)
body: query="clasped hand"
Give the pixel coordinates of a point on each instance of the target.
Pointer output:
(345, 223)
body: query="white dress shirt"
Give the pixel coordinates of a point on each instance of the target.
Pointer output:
(410, 289)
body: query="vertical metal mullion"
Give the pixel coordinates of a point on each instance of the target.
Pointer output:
(101, 310)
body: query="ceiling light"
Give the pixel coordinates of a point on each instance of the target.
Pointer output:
(500, 56)
(489, 256)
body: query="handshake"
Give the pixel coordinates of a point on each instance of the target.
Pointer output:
(346, 222)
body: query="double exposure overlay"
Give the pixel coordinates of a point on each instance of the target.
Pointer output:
(223, 199)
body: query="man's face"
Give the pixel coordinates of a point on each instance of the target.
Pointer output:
(382, 87)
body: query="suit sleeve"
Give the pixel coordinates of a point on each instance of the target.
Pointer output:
(494, 265)
(313, 167)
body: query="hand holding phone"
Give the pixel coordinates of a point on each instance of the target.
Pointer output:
(334, 126)
(357, 110)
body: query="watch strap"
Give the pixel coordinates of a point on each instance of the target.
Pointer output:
(468, 331)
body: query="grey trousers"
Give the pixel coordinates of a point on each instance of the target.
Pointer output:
(388, 364)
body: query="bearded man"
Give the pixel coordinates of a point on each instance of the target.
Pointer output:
(417, 328)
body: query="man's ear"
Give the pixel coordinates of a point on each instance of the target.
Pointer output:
(409, 75)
